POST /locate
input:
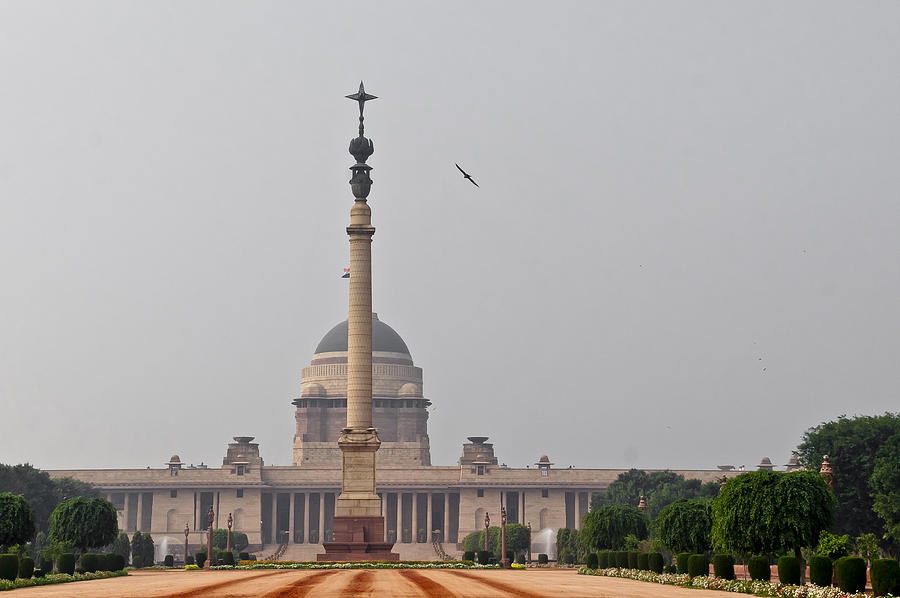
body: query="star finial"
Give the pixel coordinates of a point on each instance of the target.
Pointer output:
(362, 97)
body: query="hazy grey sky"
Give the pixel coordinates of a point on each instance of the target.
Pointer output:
(684, 252)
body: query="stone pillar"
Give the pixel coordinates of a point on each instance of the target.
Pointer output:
(445, 533)
(577, 510)
(428, 518)
(306, 496)
(291, 519)
(140, 512)
(127, 510)
(384, 501)
(414, 521)
(274, 517)
(321, 517)
(400, 516)
(521, 507)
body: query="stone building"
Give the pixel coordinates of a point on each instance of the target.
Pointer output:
(294, 505)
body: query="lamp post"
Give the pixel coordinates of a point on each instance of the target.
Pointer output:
(487, 524)
(187, 530)
(210, 517)
(529, 542)
(504, 562)
(826, 471)
(228, 540)
(642, 504)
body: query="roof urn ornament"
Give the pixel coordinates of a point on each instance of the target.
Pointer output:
(826, 472)
(642, 505)
(361, 148)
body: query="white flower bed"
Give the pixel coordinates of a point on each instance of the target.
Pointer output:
(757, 588)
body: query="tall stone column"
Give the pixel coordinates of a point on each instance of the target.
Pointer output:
(358, 532)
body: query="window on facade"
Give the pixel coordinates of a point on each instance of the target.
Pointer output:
(480, 492)
(240, 493)
(173, 493)
(239, 470)
(480, 470)
(545, 492)
(545, 471)
(173, 471)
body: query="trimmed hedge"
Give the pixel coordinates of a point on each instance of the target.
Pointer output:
(820, 570)
(66, 563)
(670, 569)
(643, 561)
(520, 559)
(885, 575)
(91, 562)
(543, 559)
(189, 559)
(603, 559)
(621, 559)
(759, 568)
(484, 556)
(656, 562)
(26, 567)
(116, 562)
(632, 559)
(169, 560)
(789, 570)
(592, 562)
(723, 566)
(227, 558)
(245, 556)
(469, 555)
(851, 573)
(681, 561)
(9, 566)
(200, 559)
(698, 566)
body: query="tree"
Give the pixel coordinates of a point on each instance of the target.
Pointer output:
(684, 526)
(84, 523)
(16, 519)
(569, 548)
(122, 546)
(885, 487)
(605, 528)
(142, 550)
(853, 446)
(518, 538)
(659, 489)
(768, 511)
(41, 492)
(239, 540)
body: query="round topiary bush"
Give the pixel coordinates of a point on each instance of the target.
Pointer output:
(66, 563)
(592, 562)
(169, 560)
(484, 556)
(469, 555)
(789, 570)
(200, 559)
(26, 567)
(9, 566)
(670, 569)
(603, 559)
(759, 568)
(622, 559)
(520, 559)
(885, 575)
(698, 566)
(723, 566)
(40, 572)
(543, 559)
(851, 573)
(189, 560)
(655, 562)
(643, 561)
(681, 561)
(228, 558)
(820, 571)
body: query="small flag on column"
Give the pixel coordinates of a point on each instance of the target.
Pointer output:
(346, 273)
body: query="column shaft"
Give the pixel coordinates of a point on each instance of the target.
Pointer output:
(291, 519)
(445, 533)
(428, 518)
(414, 525)
(305, 517)
(321, 517)
(274, 517)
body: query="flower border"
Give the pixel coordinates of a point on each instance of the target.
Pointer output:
(55, 578)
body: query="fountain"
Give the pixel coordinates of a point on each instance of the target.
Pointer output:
(161, 549)
(544, 542)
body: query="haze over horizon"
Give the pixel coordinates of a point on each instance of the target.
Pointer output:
(682, 253)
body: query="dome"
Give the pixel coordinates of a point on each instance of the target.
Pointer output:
(175, 459)
(384, 338)
(410, 389)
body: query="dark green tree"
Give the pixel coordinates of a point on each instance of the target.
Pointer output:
(767, 511)
(684, 526)
(605, 528)
(518, 538)
(885, 487)
(239, 540)
(659, 488)
(84, 523)
(852, 446)
(16, 519)
(122, 546)
(41, 492)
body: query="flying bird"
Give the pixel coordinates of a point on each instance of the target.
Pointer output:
(466, 175)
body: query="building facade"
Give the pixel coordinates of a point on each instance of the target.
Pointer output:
(427, 509)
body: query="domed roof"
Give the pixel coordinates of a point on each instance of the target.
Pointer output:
(410, 389)
(384, 338)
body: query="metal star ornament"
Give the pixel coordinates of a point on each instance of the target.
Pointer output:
(362, 97)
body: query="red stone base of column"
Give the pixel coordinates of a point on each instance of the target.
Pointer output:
(358, 539)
